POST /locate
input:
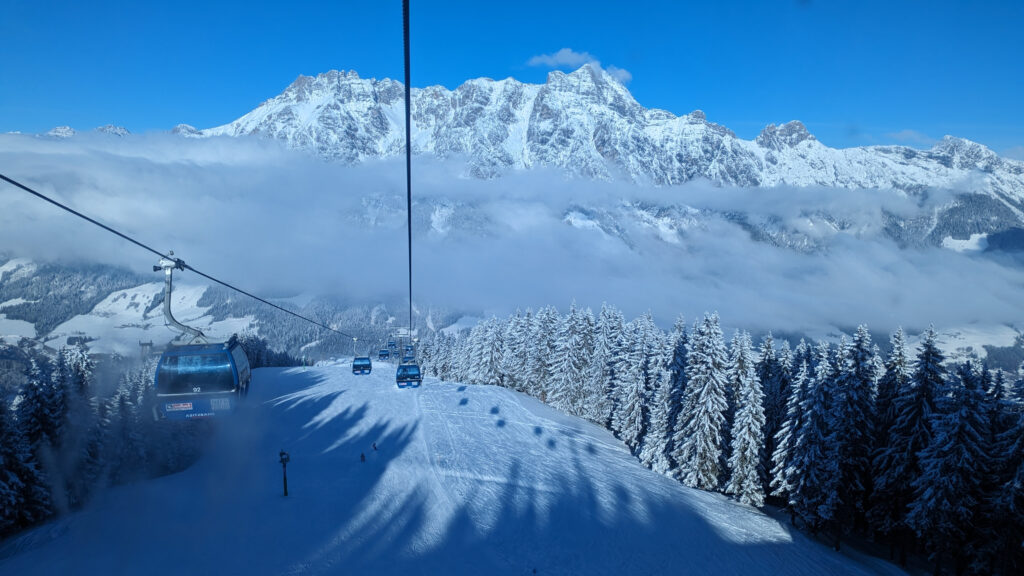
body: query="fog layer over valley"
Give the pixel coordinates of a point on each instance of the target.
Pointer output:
(282, 223)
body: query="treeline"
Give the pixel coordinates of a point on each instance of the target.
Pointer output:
(261, 355)
(906, 450)
(62, 438)
(61, 441)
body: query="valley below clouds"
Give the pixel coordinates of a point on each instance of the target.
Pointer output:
(280, 222)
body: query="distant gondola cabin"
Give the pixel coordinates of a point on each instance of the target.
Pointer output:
(408, 375)
(362, 365)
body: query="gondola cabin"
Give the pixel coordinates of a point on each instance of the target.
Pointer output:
(361, 365)
(410, 350)
(392, 344)
(383, 354)
(408, 375)
(201, 380)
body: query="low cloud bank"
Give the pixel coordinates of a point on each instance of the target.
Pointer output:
(281, 223)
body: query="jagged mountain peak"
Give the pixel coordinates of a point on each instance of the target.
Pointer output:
(965, 154)
(113, 130)
(786, 135)
(587, 123)
(61, 132)
(186, 130)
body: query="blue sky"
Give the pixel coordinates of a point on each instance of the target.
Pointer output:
(856, 72)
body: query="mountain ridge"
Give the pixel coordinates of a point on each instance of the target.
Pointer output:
(587, 123)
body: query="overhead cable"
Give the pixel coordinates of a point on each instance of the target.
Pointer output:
(179, 263)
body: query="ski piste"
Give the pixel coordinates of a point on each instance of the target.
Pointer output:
(442, 479)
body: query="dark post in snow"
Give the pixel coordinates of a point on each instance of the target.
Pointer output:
(284, 468)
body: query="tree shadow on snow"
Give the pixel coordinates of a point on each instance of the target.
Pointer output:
(564, 514)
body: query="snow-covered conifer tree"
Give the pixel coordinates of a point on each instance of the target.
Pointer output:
(896, 464)
(542, 337)
(852, 421)
(490, 368)
(746, 475)
(698, 442)
(630, 381)
(894, 380)
(654, 454)
(783, 472)
(513, 357)
(953, 465)
(1007, 497)
(570, 362)
(653, 354)
(24, 495)
(608, 349)
(677, 387)
(769, 374)
(815, 465)
(32, 408)
(11, 485)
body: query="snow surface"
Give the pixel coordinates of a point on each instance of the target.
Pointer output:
(960, 342)
(120, 321)
(465, 480)
(463, 323)
(13, 330)
(27, 268)
(976, 243)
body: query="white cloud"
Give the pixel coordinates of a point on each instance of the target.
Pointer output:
(279, 222)
(620, 74)
(913, 138)
(569, 58)
(564, 58)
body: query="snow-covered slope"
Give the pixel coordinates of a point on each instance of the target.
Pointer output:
(588, 123)
(464, 480)
(127, 317)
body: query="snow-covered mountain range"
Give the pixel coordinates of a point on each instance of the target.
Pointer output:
(588, 123)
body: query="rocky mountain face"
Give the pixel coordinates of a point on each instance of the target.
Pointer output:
(588, 124)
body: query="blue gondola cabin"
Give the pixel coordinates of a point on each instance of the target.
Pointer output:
(201, 380)
(408, 375)
(362, 365)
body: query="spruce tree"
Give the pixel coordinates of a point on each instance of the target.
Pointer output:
(769, 373)
(952, 467)
(32, 408)
(513, 358)
(853, 418)
(731, 393)
(677, 388)
(783, 472)
(746, 474)
(698, 442)
(571, 361)
(815, 466)
(655, 451)
(630, 418)
(895, 379)
(12, 487)
(897, 464)
(630, 382)
(542, 337)
(608, 334)
(1008, 496)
